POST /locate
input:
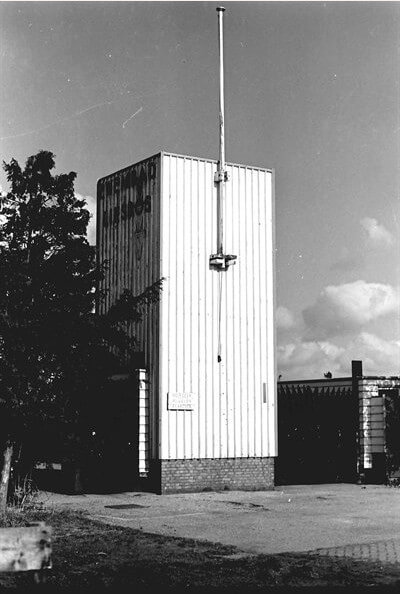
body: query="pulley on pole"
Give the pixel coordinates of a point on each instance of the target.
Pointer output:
(220, 260)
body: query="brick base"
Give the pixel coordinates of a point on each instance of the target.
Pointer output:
(212, 474)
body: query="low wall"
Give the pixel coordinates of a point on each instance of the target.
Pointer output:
(211, 474)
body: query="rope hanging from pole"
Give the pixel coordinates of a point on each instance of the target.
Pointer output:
(219, 353)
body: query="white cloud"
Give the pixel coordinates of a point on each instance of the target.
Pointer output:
(284, 318)
(379, 356)
(339, 328)
(308, 360)
(347, 308)
(91, 206)
(377, 234)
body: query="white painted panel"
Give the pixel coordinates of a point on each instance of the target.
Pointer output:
(268, 249)
(242, 340)
(229, 329)
(236, 379)
(268, 372)
(205, 313)
(169, 272)
(194, 282)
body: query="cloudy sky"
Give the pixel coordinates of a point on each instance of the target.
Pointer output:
(312, 89)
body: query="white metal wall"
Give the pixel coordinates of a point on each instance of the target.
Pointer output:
(234, 411)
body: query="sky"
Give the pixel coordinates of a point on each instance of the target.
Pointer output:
(311, 90)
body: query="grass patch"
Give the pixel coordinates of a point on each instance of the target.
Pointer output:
(89, 555)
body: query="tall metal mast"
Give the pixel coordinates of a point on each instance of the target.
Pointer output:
(221, 163)
(221, 261)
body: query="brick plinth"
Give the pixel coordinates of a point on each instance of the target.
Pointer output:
(212, 474)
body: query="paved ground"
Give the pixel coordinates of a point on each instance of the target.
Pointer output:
(356, 521)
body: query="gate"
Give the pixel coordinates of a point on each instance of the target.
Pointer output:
(317, 434)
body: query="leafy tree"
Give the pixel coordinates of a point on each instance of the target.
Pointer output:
(54, 351)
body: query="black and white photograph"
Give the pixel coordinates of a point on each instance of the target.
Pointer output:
(199, 295)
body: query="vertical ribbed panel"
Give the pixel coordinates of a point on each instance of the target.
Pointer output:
(234, 400)
(128, 237)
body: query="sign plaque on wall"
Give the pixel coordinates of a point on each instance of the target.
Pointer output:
(180, 400)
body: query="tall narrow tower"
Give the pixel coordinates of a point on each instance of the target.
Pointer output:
(207, 416)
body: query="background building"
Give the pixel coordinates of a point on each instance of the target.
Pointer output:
(344, 429)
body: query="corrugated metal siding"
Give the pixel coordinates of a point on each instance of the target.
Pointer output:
(201, 308)
(129, 238)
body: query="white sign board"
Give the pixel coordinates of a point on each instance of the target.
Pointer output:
(180, 400)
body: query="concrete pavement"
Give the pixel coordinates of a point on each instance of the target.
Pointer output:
(344, 520)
